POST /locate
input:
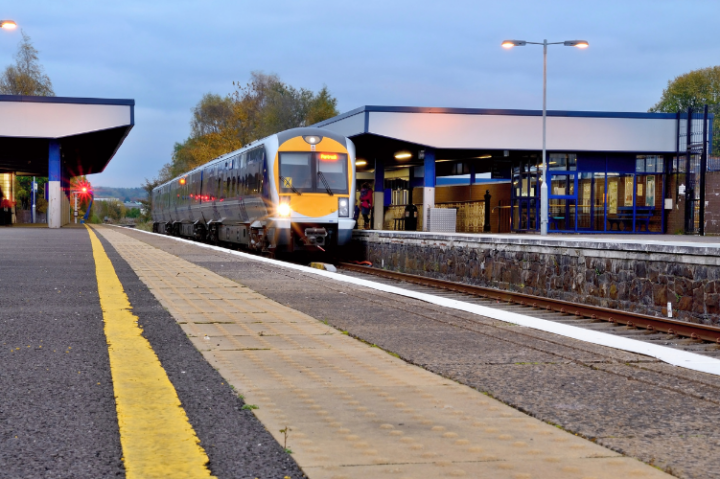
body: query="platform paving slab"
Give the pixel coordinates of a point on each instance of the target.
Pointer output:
(352, 409)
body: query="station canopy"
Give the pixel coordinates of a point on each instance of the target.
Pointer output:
(481, 135)
(89, 130)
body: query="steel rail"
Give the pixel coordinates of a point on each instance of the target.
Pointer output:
(633, 320)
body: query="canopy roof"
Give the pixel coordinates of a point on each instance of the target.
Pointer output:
(458, 133)
(89, 130)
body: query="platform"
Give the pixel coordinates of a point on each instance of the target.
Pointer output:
(352, 409)
(365, 383)
(65, 396)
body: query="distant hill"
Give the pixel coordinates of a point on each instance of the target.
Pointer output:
(123, 194)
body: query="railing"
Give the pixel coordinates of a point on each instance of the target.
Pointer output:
(713, 163)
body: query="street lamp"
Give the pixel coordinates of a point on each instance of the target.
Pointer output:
(8, 25)
(544, 186)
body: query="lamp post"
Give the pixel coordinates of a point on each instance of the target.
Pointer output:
(544, 186)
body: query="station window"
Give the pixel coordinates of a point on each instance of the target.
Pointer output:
(562, 162)
(649, 164)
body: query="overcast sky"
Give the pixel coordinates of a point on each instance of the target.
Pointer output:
(166, 54)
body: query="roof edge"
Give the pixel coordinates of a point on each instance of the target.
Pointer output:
(65, 99)
(498, 112)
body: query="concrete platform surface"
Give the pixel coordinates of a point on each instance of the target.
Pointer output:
(346, 408)
(65, 405)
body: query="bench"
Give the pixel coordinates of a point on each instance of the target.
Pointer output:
(624, 217)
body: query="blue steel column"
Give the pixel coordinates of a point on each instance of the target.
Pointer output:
(54, 210)
(379, 195)
(429, 186)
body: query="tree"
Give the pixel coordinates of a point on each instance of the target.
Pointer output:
(694, 90)
(113, 211)
(264, 106)
(26, 77)
(213, 114)
(23, 193)
(321, 107)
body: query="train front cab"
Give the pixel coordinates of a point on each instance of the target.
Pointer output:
(314, 183)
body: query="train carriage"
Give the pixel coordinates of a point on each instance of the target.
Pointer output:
(292, 191)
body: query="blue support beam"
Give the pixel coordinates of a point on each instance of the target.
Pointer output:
(430, 168)
(54, 161)
(379, 199)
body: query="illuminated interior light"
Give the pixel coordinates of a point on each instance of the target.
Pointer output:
(403, 155)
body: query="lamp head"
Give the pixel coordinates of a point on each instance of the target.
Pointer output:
(513, 43)
(576, 43)
(8, 25)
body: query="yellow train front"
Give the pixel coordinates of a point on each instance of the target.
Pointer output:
(313, 172)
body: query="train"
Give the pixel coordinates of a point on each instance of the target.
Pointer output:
(290, 192)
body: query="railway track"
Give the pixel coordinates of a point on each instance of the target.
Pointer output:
(696, 338)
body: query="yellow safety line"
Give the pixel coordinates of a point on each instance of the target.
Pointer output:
(156, 436)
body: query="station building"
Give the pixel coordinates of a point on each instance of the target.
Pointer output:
(607, 172)
(59, 138)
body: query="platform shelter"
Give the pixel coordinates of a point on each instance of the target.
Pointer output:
(60, 138)
(607, 171)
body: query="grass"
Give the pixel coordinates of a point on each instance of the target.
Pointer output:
(249, 407)
(145, 226)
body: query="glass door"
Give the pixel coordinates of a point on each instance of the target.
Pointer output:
(525, 195)
(562, 197)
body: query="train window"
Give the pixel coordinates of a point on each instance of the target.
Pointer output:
(334, 169)
(296, 171)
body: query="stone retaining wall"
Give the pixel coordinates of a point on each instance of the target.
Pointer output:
(631, 275)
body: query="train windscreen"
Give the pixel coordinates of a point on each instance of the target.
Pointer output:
(296, 171)
(333, 167)
(312, 172)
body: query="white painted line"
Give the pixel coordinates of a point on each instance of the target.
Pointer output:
(672, 356)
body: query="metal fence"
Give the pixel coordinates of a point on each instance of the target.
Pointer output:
(25, 216)
(713, 163)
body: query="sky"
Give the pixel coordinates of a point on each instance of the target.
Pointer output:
(166, 54)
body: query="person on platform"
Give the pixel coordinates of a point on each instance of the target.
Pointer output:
(366, 202)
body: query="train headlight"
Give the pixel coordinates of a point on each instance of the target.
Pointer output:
(344, 207)
(312, 139)
(283, 208)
